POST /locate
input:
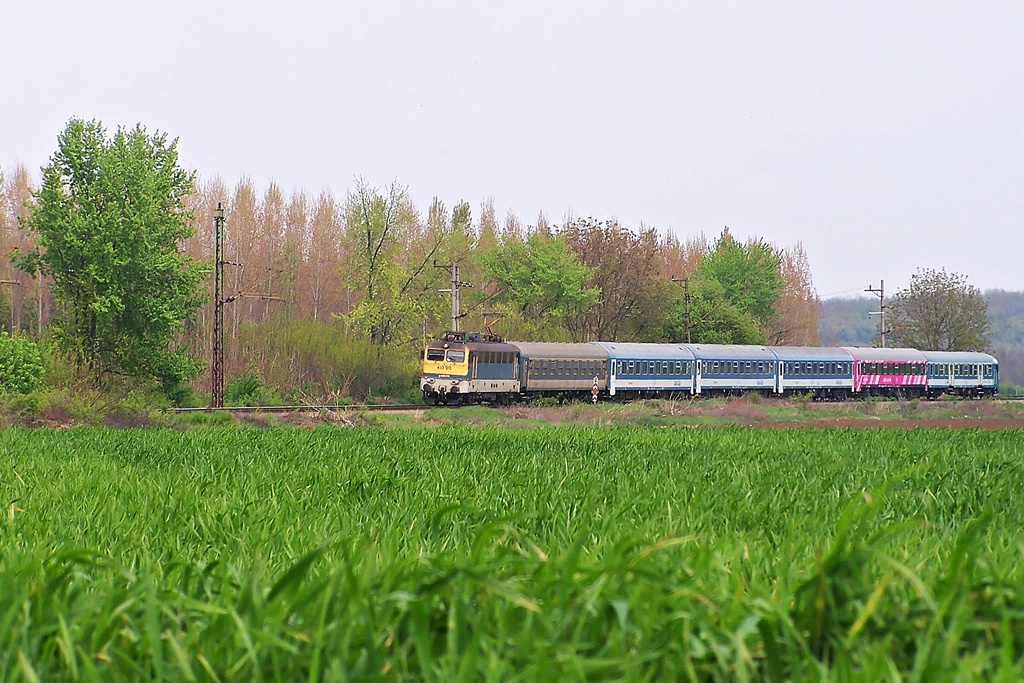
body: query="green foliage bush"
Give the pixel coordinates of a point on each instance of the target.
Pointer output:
(21, 364)
(327, 358)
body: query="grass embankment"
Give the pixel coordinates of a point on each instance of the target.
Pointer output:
(551, 554)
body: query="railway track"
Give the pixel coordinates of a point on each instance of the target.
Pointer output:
(353, 408)
(383, 407)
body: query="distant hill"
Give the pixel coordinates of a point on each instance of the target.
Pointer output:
(845, 322)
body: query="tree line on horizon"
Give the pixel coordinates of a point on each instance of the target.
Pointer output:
(336, 296)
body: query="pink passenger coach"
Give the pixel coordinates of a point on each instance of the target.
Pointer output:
(888, 372)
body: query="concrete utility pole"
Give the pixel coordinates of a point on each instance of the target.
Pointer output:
(880, 293)
(454, 289)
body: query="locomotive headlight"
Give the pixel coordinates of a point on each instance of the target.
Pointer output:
(430, 380)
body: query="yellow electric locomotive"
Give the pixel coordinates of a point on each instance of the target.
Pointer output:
(467, 367)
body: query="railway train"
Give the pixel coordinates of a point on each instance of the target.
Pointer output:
(471, 367)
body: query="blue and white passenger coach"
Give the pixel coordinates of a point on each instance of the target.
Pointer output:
(733, 369)
(819, 371)
(643, 370)
(962, 373)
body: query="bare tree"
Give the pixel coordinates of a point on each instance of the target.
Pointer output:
(940, 311)
(798, 307)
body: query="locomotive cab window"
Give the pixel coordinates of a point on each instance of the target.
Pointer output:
(435, 354)
(456, 356)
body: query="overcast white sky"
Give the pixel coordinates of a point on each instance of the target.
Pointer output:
(884, 136)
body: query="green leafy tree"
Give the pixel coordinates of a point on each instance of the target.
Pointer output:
(539, 281)
(390, 258)
(713, 318)
(940, 311)
(734, 289)
(109, 219)
(750, 275)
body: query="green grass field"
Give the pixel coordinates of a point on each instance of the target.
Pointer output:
(484, 553)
